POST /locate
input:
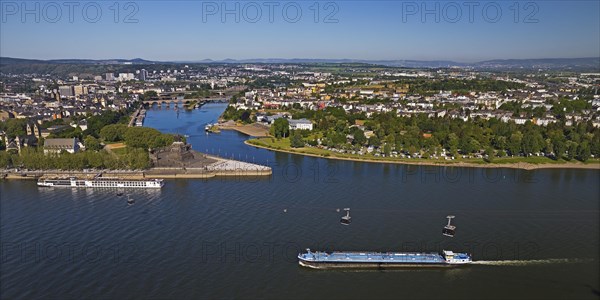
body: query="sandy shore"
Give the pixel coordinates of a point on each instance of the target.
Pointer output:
(253, 130)
(523, 166)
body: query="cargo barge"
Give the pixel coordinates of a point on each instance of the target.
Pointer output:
(381, 260)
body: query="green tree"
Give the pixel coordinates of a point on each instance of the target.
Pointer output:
(489, 151)
(387, 149)
(595, 145)
(15, 127)
(583, 151)
(452, 143)
(161, 140)
(474, 145)
(5, 159)
(514, 143)
(559, 145)
(145, 138)
(549, 147)
(245, 116)
(96, 123)
(92, 143)
(137, 158)
(296, 140)
(359, 137)
(374, 141)
(532, 143)
(280, 128)
(148, 95)
(335, 139)
(465, 145)
(95, 159)
(571, 150)
(113, 132)
(500, 142)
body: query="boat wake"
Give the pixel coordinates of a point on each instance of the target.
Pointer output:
(530, 262)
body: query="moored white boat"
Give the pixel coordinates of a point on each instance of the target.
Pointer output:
(101, 182)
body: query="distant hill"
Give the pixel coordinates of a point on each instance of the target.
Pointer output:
(20, 61)
(592, 63)
(84, 68)
(9, 64)
(391, 63)
(13, 61)
(586, 63)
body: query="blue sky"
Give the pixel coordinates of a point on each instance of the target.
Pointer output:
(195, 30)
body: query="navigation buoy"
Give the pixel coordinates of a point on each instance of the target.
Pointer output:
(449, 229)
(346, 219)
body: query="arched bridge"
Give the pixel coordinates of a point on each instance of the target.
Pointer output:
(151, 102)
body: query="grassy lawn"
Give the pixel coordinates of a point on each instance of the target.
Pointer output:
(119, 151)
(314, 136)
(284, 144)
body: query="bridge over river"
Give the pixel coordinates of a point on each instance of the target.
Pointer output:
(200, 101)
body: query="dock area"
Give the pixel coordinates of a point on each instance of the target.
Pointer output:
(137, 118)
(216, 167)
(175, 161)
(208, 167)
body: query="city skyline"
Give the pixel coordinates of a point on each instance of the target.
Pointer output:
(356, 30)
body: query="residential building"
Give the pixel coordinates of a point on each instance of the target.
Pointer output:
(66, 91)
(80, 90)
(126, 76)
(301, 124)
(57, 145)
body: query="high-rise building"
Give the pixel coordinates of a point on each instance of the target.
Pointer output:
(143, 74)
(110, 77)
(66, 91)
(126, 76)
(80, 90)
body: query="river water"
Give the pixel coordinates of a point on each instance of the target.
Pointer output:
(534, 234)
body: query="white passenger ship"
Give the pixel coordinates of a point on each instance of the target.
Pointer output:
(101, 182)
